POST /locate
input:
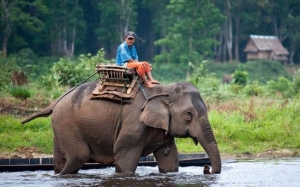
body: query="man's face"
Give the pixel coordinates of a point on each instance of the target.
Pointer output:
(129, 40)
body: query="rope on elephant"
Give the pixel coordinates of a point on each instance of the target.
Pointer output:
(153, 96)
(140, 85)
(74, 88)
(121, 112)
(142, 89)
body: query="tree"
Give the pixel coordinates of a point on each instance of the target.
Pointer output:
(282, 17)
(64, 26)
(6, 23)
(116, 18)
(19, 15)
(228, 29)
(242, 18)
(190, 27)
(293, 28)
(151, 26)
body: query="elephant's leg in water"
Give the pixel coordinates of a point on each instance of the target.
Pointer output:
(127, 156)
(58, 160)
(73, 162)
(167, 161)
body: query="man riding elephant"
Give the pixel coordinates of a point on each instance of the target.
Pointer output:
(127, 56)
(107, 132)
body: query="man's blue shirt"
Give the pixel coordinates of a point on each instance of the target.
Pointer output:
(125, 53)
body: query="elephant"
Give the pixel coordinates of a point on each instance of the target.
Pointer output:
(226, 79)
(110, 132)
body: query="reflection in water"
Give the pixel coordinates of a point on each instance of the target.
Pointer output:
(282, 172)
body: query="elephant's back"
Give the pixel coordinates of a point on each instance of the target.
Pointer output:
(91, 121)
(79, 108)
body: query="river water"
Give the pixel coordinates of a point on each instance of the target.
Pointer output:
(262, 173)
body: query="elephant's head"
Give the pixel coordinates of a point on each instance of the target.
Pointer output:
(183, 114)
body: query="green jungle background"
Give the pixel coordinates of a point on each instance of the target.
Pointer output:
(47, 47)
(257, 110)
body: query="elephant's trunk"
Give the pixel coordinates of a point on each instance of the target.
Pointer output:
(209, 144)
(214, 156)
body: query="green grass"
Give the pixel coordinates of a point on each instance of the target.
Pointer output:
(241, 123)
(249, 125)
(252, 125)
(187, 145)
(14, 135)
(263, 126)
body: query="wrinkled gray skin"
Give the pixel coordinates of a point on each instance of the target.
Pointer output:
(87, 129)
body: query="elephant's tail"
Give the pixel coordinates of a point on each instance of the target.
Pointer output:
(44, 113)
(47, 111)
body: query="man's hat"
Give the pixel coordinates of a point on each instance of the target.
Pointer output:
(130, 34)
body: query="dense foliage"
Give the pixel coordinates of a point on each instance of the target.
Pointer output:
(58, 43)
(254, 119)
(169, 31)
(249, 117)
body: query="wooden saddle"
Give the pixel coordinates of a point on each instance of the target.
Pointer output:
(116, 83)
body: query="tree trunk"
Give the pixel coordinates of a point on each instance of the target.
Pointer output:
(7, 22)
(228, 29)
(65, 43)
(291, 56)
(4, 47)
(236, 41)
(124, 19)
(223, 59)
(217, 48)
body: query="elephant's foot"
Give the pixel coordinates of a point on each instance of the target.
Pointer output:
(58, 167)
(72, 167)
(167, 158)
(127, 160)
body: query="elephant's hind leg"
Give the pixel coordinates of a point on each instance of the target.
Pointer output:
(58, 158)
(73, 165)
(77, 155)
(59, 164)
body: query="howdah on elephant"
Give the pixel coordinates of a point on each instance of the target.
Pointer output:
(110, 132)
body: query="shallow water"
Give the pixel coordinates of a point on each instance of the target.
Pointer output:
(279, 172)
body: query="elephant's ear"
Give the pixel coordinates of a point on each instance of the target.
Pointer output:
(156, 114)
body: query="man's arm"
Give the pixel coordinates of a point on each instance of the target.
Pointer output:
(125, 55)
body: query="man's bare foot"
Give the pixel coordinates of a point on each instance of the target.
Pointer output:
(149, 85)
(154, 81)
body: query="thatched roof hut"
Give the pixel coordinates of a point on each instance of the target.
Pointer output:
(265, 47)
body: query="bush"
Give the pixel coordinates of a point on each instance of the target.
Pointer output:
(7, 66)
(69, 73)
(221, 69)
(297, 81)
(203, 80)
(240, 77)
(19, 92)
(25, 61)
(235, 88)
(260, 70)
(167, 73)
(253, 89)
(265, 70)
(282, 86)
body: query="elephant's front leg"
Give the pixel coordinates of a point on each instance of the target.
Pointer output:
(127, 157)
(167, 158)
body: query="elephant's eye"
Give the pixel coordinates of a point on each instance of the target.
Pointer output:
(188, 116)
